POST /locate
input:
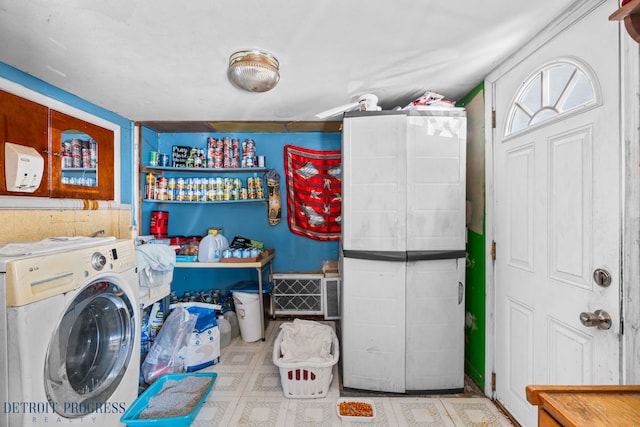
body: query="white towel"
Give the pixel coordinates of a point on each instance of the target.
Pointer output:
(154, 257)
(306, 341)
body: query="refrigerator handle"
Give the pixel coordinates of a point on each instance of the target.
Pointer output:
(460, 293)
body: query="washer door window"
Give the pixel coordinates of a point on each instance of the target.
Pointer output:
(89, 353)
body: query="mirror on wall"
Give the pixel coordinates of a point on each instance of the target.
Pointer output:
(79, 157)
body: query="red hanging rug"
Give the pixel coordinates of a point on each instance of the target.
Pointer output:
(314, 199)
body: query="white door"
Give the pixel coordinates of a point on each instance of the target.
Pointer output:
(557, 213)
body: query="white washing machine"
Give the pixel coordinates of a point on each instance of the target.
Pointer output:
(69, 332)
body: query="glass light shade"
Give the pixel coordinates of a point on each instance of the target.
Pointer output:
(253, 70)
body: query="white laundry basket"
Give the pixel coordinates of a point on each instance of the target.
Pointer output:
(248, 312)
(306, 380)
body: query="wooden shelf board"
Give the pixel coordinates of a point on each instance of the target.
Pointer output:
(631, 8)
(232, 127)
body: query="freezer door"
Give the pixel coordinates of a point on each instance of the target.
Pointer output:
(373, 325)
(374, 183)
(436, 181)
(435, 325)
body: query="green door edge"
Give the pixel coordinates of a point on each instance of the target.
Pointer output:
(475, 289)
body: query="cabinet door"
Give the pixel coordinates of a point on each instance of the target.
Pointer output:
(435, 325)
(23, 122)
(82, 161)
(436, 182)
(374, 183)
(373, 325)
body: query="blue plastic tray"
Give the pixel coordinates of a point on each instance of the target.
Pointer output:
(130, 417)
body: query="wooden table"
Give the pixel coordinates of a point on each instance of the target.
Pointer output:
(265, 260)
(586, 406)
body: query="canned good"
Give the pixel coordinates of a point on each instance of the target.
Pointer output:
(180, 184)
(237, 253)
(163, 160)
(226, 253)
(153, 158)
(67, 162)
(150, 186)
(161, 194)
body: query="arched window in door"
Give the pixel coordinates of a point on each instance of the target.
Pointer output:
(556, 89)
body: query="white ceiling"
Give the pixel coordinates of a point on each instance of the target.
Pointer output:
(166, 60)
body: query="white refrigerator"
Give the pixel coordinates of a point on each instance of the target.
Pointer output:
(403, 251)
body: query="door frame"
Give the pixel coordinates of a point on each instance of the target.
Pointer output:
(630, 204)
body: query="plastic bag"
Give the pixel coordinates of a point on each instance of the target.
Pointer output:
(168, 352)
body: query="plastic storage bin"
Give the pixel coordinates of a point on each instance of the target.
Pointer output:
(306, 380)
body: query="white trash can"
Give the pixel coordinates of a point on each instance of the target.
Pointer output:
(248, 312)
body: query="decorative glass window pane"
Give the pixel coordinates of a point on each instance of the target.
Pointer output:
(558, 78)
(542, 115)
(554, 90)
(520, 120)
(581, 93)
(532, 96)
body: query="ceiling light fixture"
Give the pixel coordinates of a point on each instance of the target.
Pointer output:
(253, 70)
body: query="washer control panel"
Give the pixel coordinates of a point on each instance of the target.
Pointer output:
(38, 277)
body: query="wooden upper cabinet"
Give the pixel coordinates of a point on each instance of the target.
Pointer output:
(24, 122)
(82, 159)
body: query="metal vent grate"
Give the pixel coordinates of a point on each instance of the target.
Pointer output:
(298, 293)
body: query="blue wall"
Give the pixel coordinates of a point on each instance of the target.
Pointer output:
(294, 253)
(126, 126)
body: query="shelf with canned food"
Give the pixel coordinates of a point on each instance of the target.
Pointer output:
(203, 185)
(204, 201)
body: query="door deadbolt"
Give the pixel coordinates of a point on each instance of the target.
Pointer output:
(599, 319)
(602, 277)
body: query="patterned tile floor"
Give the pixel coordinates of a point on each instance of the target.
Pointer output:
(248, 392)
